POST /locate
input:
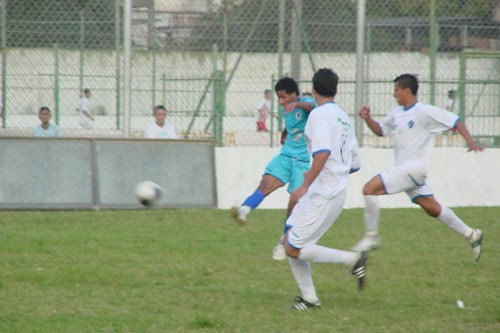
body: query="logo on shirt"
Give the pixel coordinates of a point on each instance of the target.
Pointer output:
(411, 123)
(298, 116)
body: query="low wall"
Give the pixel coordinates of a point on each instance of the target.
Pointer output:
(103, 173)
(458, 177)
(73, 173)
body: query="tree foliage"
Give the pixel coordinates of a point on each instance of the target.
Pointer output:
(70, 24)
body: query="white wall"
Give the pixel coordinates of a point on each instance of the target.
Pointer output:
(457, 177)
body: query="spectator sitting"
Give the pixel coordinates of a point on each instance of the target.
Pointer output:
(46, 129)
(159, 129)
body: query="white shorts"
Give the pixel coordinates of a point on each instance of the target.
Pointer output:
(398, 179)
(312, 217)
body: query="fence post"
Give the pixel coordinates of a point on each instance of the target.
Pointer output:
(56, 83)
(219, 96)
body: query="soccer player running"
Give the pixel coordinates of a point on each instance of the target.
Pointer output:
(292, 162)
(335, 154)
(414, 125)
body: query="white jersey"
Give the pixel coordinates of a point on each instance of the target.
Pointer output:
(414, 131)
(153, 131)
(84, 105)
(329, 129)
(264, 106)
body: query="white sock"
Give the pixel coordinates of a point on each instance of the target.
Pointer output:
(244, 210)
(302, 272)
(321, 254)
(454, 222)
(371, 214)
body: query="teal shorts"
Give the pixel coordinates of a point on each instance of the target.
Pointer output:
(287, 170)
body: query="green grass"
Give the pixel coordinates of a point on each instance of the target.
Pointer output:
(193, 270)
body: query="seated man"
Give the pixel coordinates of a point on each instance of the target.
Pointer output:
(159, 129)
(46, 128)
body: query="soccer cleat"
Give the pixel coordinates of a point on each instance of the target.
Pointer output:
(302, 305)
(368, 243)
(358, 270)
(279, 252)
(238, 216)
(475, 240)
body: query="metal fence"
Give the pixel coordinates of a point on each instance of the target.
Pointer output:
(209, 61)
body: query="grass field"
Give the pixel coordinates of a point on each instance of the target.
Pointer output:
(193, 270)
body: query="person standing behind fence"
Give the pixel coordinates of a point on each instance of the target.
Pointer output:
(159, 129)
(263, 110)
(46, 128)
(83, 107)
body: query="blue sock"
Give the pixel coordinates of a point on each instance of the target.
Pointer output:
(254, 200)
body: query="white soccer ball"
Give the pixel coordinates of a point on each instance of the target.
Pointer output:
(148, 193)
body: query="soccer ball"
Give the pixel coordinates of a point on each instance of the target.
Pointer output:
(148, 193)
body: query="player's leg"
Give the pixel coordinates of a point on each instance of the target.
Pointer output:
(390, 181)
(309, 221)
(297, 170)
(424, 198)
(275, 176)
(268, 184)
(371, 190)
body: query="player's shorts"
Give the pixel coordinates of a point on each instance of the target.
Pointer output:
(312, 217)
(397, 179)
(287, 170)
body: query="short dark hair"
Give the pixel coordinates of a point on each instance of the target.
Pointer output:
(159, 107)
(86, 90)
(287, 84)
(325, 82)
(268, 91)
(43, 108)
(407, 81)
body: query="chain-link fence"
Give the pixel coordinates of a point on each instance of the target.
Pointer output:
(209, 61)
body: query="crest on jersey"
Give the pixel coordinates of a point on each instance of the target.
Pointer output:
(411, 123)
(298, 116)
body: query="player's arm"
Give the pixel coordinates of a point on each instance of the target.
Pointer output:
(356, 161)
(304, 105)
(284, 134)
(373, 125)
(468, 138)
(87, 114)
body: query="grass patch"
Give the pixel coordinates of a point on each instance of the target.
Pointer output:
(193, 270)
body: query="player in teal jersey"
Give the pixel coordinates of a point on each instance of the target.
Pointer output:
(292, 162)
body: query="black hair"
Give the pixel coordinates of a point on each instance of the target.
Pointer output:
(267, 91)
(325, 82)
(407, 81)
(43, 108)
(86, 90)
(287, 84)
(159, 107)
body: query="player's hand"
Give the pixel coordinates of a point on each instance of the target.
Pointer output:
(290, 107)
(365, 112)
(475, 148)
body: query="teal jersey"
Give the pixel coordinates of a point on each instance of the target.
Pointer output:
(295, 122)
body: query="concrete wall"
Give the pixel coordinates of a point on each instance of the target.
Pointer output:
(86, 173)
(90, 173)
(457, 177)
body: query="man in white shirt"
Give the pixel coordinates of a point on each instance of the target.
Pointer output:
(159, 129)
(332, 144)
(414, 126)
(83, 107)
(46, 128)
